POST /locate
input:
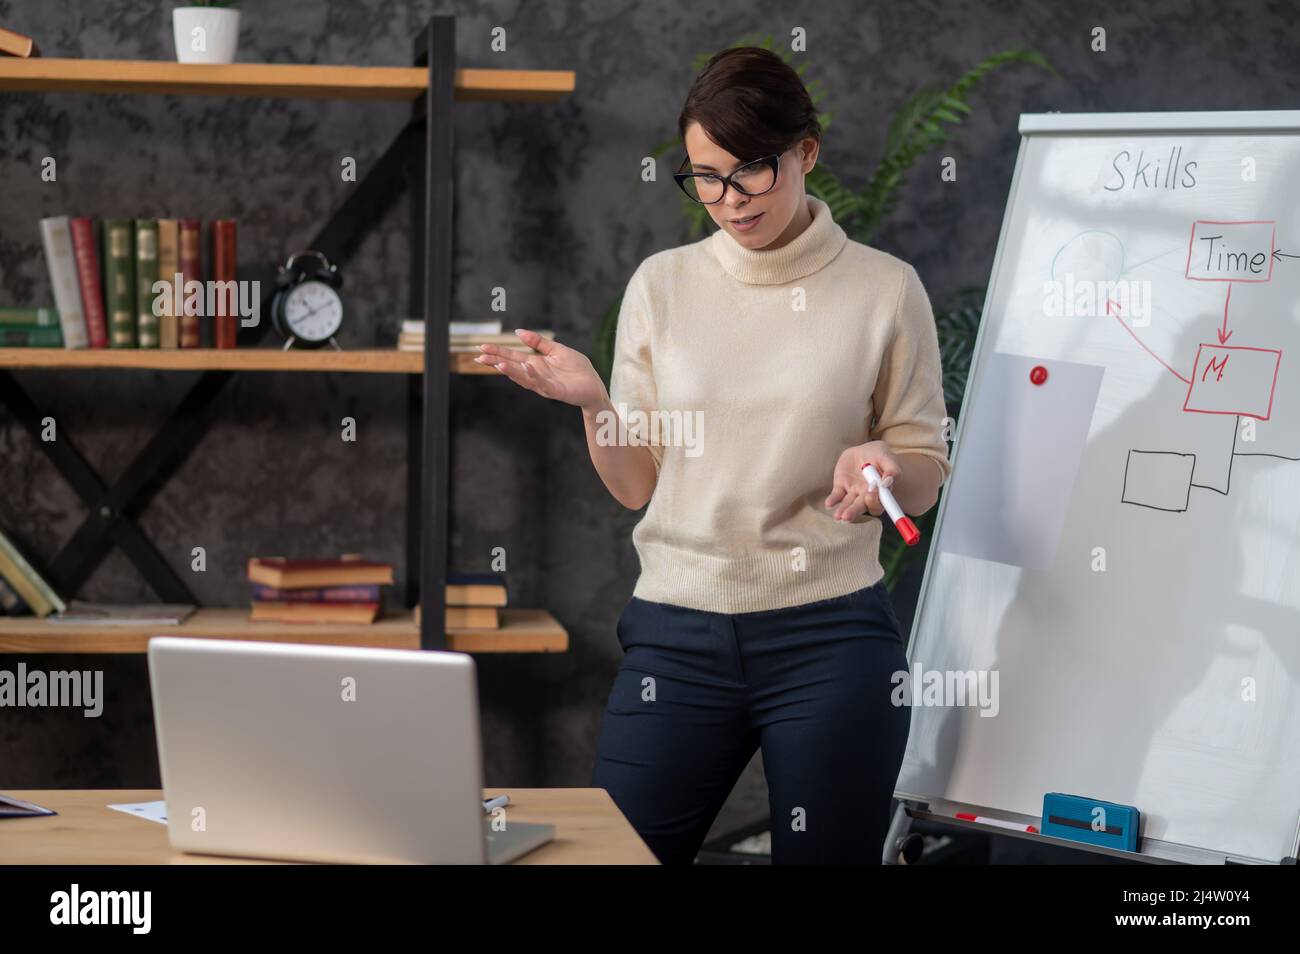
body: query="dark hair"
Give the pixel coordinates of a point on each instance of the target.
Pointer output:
(751, 103)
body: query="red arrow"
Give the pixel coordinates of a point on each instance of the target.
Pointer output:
(1125, 326)
(1224, 333)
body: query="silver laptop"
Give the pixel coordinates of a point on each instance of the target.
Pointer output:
(324, 753)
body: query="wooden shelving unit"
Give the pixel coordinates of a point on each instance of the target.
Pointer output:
(419, 162)
(278, 80)
(373, 361)
(522, 631)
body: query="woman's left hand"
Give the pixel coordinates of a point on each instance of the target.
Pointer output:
(850, 495)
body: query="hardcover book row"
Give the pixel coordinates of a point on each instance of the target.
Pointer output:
(132, 283)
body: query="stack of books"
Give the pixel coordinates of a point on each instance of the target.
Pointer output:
(22, 589)
(345, 590)
(412, 334)
(464, 337)
(30, 328)
(133, 283)
(474, 600)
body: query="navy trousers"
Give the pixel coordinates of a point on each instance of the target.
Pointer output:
(698, 692)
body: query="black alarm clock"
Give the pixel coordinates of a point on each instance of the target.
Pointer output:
(307, 309)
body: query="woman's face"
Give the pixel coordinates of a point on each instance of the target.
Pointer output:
(782, 212)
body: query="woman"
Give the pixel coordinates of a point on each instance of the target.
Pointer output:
(755, 372)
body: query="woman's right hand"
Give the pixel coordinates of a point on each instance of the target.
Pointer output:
(554, 371)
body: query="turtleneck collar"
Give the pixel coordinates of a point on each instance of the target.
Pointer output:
(811, 249)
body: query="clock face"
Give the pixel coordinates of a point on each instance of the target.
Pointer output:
(313, 311)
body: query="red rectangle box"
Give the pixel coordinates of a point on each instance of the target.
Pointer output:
(1233, 380)
(1229, 251)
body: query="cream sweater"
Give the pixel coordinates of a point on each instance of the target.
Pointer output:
(747, 373)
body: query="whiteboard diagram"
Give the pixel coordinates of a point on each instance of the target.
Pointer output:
(1235, 380)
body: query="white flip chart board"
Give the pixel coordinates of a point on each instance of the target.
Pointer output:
(1120, 539)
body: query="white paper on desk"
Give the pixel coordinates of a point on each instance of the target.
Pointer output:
(152, 811)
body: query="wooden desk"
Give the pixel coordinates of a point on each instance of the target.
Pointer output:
(589, 829)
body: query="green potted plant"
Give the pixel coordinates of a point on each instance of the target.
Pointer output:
(206, 32)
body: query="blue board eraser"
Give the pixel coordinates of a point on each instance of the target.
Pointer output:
(1091, 820)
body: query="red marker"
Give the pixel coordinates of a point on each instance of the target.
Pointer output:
(911, 535)
(996, 822)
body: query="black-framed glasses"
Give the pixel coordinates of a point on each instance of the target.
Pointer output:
(708, 188)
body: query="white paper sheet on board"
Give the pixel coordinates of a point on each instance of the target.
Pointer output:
(1019, 454)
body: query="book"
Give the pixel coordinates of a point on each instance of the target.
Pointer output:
(56, 236)
(224, 270)
(505, 337)
(468, 327)
(361, 593)
(119, 282)
(169, 263)
(16, 44)
(415, 326)
(464, 346)
(465, 589)
(314, 612)
(124, 614)
(40, 317)
(191, 271)
(11, 604)
(146, 273)
(26, 582)
(464, 363)
(207, 314)
(286, 574)
(468, 617)
(30, 336)
(473, 348)
(85, 250)
(473, 617)
(476, 589)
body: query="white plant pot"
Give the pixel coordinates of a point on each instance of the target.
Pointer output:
(205, 34)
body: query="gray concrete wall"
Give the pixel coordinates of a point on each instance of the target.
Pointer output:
(549, 204)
